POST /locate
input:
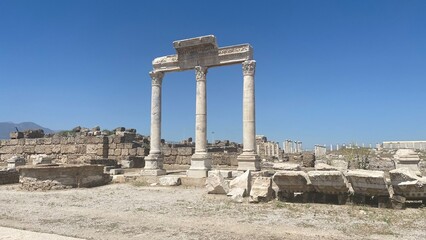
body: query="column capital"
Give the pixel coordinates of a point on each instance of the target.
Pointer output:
(200, 73)
(249, 67)
(156, 77)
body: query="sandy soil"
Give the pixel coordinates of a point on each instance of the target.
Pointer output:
(129, 211)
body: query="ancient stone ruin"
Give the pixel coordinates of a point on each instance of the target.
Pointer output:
(200, 54)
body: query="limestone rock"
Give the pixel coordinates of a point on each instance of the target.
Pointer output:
(237, 194)
(216, 184)
(368, 183)
(339, 164)
(407, 184)
(261, 190)
(41, 159)
(324, 167)
(14, 162)
(241, 182)
(286, 166)
(329, 182)
(116, 171)
(170, 181)
(292, 181)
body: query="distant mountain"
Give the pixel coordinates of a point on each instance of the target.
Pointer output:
(7, 127)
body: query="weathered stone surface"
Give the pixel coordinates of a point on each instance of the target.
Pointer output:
(170, 181)
(324, 167)
(368, 183)
(9, 176)
(41, 159)
(407, 184)
(308, 159)
(241, 182)
(286, 166)
(216, 184)
(116, 171)
(292, 181)
(261, 190)
(127, 163)
(15, 161)
(237, 194)
(224, 173)
(329, 182)
(407, 158)
(339, 164)
(71, 176)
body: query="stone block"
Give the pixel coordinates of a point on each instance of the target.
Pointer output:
(224, 173)
(341, 165)
(407, 184)
(216, 184)
(324, 167)
(116, 171)
(117, 152)
(170, 181)
(92, 148)
(286, 166)
(292, 181)
(15, 161)
(242, 182)
(130, 145)
(236, 173)
(133, 152)
(237, 194)
(167, 151)
(368, 183)
(56, 148)
(118, 179)
(65, 149)
(40, 159)
(124, 152)
(43, 149)
(261, 190)
(127, 163)
(185, 151)
(329, 182)
(141, 151)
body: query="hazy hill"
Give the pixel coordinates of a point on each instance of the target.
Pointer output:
(7, 127)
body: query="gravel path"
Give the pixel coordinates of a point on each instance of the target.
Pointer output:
(126, 211)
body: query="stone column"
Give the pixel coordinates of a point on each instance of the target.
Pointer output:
(200, 161)
(154, 161)
(249, 159)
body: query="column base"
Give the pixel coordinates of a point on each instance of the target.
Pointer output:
(248, 161)
(153, 172)
(153, 165)
(201, 163)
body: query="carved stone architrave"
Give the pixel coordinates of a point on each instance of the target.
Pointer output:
(200, 73)
(208, 57)
(156, 77)
(249, 67)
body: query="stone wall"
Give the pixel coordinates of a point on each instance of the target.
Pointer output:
(181, 154)
(8, 176)
(75, 149)
(60, 177)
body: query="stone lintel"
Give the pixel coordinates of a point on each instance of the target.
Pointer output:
(209, 40)
(205, 56)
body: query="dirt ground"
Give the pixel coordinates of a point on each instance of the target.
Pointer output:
(137, 211)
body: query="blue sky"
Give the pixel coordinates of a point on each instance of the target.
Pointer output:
(327, 71)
